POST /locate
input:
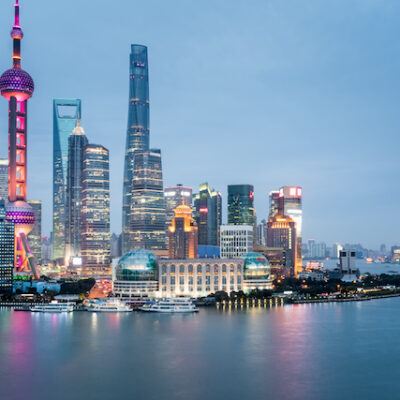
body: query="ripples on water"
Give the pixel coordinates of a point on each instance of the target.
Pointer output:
(309, 351)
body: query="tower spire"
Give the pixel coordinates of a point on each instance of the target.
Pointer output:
(16, 21)
(17, 35)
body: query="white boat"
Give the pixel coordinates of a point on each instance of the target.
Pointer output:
(174, 305)
(109, 305)
(54, 307)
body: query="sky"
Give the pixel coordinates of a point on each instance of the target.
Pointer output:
(266, 92)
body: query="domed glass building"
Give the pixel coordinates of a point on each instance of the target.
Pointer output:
(256, 271)
(136, 274)
(137, 265)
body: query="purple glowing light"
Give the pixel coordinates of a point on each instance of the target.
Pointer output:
(16, 80)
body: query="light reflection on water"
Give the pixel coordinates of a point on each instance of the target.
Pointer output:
(306, 351)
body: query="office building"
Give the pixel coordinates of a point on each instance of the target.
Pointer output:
(77, 143)
(115, 246)
(236, 240)
(7, 237)
(47, 250)
(241, 205)
(95, 216)
(176, 196)
(66, 113)
(148, 228)
(35, 235)
(143, 208)
(317, 250)
(4, 179)
(182, 234)
(347, 265)
(262, 233)
(336, 249)
(290, 204)
(17, 86)
(138, 132)
(281, 233)
(273, 203)
(208, 214)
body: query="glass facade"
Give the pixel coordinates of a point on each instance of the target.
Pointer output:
(137, 265)
(182, 234)
(4, 179)
(95, 226)
(66, 112)
(208, 215)
(35, 235)
(7, 237)
(256, 266)
(148, 228)
(281, 232)
(241, 205)
(273, 203)
(175, 197)
(137, 137)
(76, 145)
(290, 204)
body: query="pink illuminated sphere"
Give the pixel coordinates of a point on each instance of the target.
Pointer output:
(18, 83)
(22, 215)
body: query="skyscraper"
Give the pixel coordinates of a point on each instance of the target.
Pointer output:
(66, 113)
(290, 204)
(208, 214)
(262, 233)
(148, 228)
(35, 235)
(77, 142)
(17, 86)
(7, 237)
(273, 203)
(176, 196)
(138, 132)
(281, 232)
(95, 220)
(3, 178)
(241, 205)
(182, 234)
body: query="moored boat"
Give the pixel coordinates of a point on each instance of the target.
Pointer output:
(53, 307)
(109, 305)
(173, 305)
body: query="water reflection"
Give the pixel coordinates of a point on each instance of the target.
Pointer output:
(307, 351)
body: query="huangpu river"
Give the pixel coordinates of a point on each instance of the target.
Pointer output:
(309, 352)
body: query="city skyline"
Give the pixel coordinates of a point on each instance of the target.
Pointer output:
(345, 187)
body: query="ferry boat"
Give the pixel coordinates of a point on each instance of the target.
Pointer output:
(53, 307)
(174, 305)
(109, 305)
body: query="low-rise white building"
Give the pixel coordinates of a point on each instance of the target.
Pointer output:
(236, 240)
(199, 277)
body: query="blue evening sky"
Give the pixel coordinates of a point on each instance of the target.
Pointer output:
(267, 92)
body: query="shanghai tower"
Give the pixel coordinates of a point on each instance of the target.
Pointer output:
(134, 206)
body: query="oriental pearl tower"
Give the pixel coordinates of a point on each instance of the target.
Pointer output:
(16, 85)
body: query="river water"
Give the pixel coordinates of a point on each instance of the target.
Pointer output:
(310, 351)
(364, 267)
